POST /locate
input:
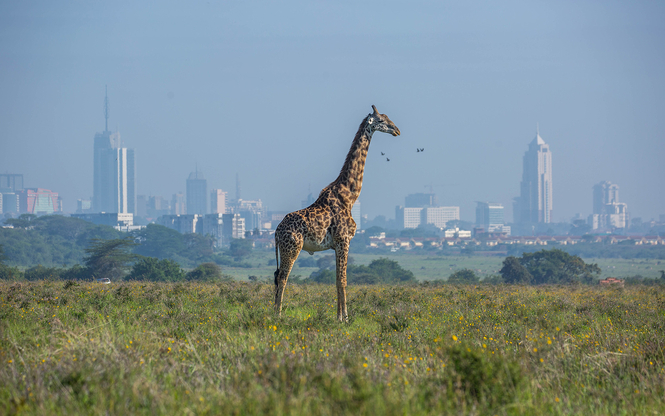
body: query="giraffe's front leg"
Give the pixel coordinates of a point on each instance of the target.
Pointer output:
(342, 255)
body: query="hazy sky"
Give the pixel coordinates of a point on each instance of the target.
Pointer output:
(275, 91)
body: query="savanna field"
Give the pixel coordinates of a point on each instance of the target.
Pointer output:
(217, 348)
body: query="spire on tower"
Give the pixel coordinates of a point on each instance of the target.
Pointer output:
(237, 187)
(106, 108)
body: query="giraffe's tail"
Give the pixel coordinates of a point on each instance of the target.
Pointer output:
(276, 260)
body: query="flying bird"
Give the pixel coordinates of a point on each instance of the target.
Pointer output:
(387, 159)
(417, 150)
(422, 149)
(383, 154)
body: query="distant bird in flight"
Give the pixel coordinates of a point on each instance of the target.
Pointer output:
(383, 154)
(387, 159)
(421, 149)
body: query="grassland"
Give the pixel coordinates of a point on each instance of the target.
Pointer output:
(146, 348)
(433, 267)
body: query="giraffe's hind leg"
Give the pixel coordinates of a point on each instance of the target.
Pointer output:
(288, 253)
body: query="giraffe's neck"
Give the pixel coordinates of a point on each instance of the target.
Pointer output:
(348, 184)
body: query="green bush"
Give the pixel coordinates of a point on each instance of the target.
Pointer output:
(205, 272)
(380, 271)
(464, 276)
(155, 270)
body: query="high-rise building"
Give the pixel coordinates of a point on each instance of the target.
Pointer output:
(114, 176)
(11, 182)
(534, 204)
(422, 208)
(233, 226)
(217, 201)
(197, 194)
(407, 217)
(38, 201)
(420, 200)
(439, 216)
(489, 218)
(608, 212)
(178, 204)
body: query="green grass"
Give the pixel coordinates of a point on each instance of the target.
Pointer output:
(433, 267)
(146, 348)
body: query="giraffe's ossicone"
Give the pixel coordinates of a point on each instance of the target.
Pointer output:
(327, 223)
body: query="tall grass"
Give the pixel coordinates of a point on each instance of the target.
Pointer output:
(145, 348)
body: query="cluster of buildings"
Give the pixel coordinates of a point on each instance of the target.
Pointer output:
(115, 201)
(15, 199)
(461, 240)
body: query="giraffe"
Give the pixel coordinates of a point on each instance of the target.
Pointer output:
(327, 223)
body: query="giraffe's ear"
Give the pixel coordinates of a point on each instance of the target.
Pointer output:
(376, 112)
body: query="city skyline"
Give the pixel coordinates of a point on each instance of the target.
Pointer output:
(275, 96)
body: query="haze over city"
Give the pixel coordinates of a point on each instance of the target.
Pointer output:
(275, 93)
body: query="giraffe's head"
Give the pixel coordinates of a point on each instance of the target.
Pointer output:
(381, 122)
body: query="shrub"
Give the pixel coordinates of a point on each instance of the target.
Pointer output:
(514, 273)
(380, 271)
(155, 270)
(464, 276)
(205, 272)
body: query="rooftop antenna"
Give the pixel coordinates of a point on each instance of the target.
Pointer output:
(106, 108)
(237, 187)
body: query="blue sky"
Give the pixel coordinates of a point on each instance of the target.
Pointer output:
(275, 91)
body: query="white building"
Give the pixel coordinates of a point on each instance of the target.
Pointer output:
(407, 217)
(439, 216)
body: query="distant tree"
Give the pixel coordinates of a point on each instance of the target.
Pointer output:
(240, 248)
(23, 221)
(514, 273)
(3, 257)
(40, 272)
(494, 279)
(205, 272)
(6, 272)
(109, 258)
(326, 262)
(390, 271)
(380, 271)
(155, 270)
(160, 242)
(464, 276)
(306, 261)
(557, 266)
(374, 231)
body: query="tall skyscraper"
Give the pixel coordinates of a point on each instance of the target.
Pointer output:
(114, 180)
(197, 194)
(608, 212)
(535, 201)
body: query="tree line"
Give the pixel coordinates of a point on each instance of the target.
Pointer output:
(55, 240)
